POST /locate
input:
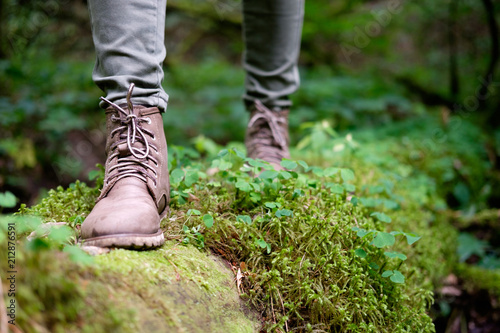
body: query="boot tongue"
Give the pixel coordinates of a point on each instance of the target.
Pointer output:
(125, 151)
(131, 185)
(123, 148)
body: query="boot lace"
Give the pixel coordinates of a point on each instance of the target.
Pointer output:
(136, 163)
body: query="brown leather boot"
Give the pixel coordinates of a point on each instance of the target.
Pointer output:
(267, 135)
(135, 194)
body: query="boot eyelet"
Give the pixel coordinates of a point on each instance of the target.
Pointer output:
(154, 138)
(148, 120)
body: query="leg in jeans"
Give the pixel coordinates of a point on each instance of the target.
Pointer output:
(129, 42)
(272, 31)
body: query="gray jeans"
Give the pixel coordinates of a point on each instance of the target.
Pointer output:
(129, 42)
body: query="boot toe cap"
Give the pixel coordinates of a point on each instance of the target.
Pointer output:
(108, 218)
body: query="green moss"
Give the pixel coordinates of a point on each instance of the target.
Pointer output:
(64, 205)
(174, 288)
(179, 286)
(50, 292)
(477, 278)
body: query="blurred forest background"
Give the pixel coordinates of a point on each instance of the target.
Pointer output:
(364, 65)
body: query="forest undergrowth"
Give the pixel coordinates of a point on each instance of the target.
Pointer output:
(354, 235)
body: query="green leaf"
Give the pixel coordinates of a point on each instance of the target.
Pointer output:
(383, 239)
(191, 177)
(223, 153)
(38, 244)
(387, 273)
(317, 171)
(243, 185)
(244, 218)
(330, 171)
(268, 174)
(360, 253)
(7, 200)
(411, 238)
(368, 202)
(397, 277)
(390, 204)
(208, 220)
(76, 254)
(193, 212)
(395, 255)
(238, 153)
(335, 188)
(224, 165)
(262, 243)
(382, 217)
(60, 234)
(468, 245)
(255, 197)
(285, 174)
(176, 176)
(375, 189)
(346, 174)
(288, 164)
(304, 165)
(272, 205)
(349, 187)
(255, 163)
(283, 212)
(362, 232)
(256, 186)
(93, 174)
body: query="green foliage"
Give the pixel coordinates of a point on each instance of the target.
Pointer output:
(291, 226)
(7, 199)
(65, 205)
(311, 237)
(469, 246)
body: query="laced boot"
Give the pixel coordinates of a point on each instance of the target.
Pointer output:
(135, 194)
(267, 135)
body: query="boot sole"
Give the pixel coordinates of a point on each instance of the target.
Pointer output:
(127, 241)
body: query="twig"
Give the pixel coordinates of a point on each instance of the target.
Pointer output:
(283, 307)
(272, 309)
